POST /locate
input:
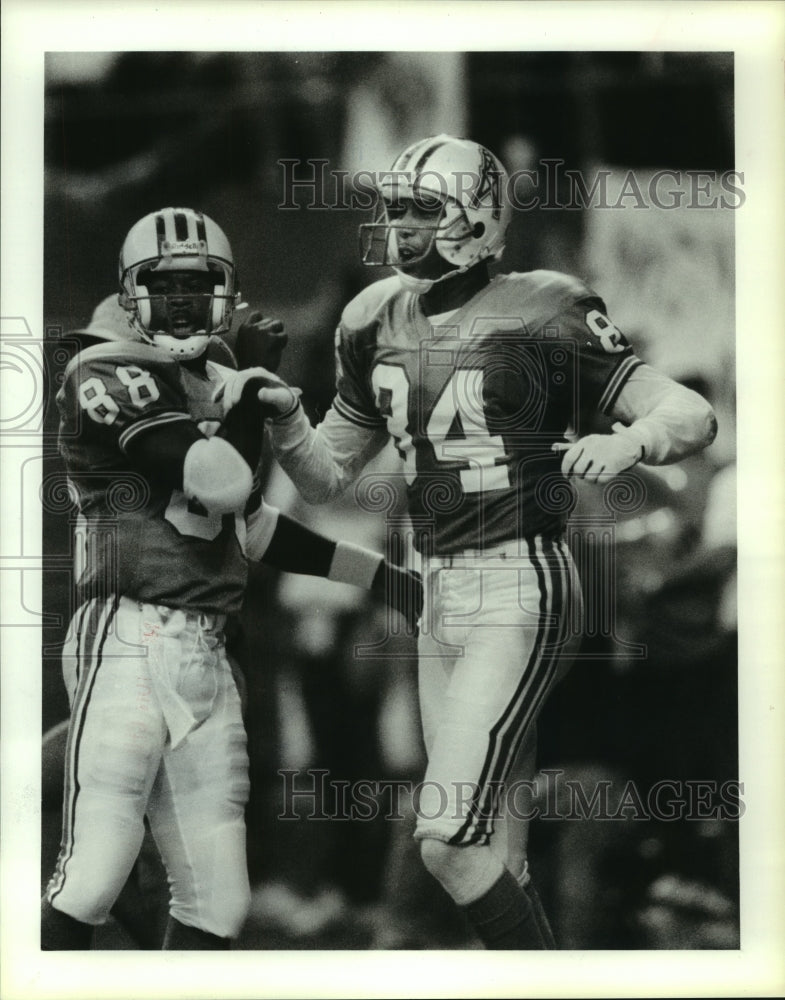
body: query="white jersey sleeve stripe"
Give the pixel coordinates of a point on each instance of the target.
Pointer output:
(356, 416)
(616, 381)
(140, 426)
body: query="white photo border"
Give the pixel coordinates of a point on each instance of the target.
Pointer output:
(755, 32)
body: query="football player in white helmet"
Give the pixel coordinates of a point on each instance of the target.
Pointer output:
(170, 514)
(442, 209)
(485, 383)
(177, 280)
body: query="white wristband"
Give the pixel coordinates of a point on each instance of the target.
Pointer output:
(286, 414)
(260, 525)
(354, 564)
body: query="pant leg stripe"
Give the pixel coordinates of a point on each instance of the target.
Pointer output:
(82, 614)
(78, 624)
(94, 629)
(551, 652)
(531, 703)
(533, 686)
(469, 832)
(506, 736)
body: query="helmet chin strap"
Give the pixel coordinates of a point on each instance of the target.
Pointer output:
(417, 285)
(422, 285)
(183, 349)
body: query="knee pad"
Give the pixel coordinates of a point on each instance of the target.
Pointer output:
(223, 916)
(466, 873)
(234, 917)
(437, 857)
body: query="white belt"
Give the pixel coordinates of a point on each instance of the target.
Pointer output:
(504, 550)
(209, 621)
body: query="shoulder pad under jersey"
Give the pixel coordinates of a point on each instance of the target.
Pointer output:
(124, 352)
(221, 370)
(111, 322)
(554, 284)
(220, 352)
(537, 296)
(365, 306)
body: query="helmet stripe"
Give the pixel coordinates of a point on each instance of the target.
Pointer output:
(160, 232)
(180, 227)
(428, 151)
(201, 231)
(401, 162)
(406, 157)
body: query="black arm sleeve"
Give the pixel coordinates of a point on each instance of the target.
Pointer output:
(297, 549)
(160, 452)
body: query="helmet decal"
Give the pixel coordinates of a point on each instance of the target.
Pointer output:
(489, 184)
(466, 180)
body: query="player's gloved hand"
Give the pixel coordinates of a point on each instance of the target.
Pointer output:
(599, 456)
(246, 389)
(260, 342)
(402, 590)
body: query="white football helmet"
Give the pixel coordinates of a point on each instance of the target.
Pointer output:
(177, 239)
(471, 185)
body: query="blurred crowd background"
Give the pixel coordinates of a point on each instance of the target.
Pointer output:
(653, 697)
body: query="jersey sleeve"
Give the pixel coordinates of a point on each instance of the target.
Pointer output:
(604, 360)
(114, 396)
(323, 461)
(354, 397)
(670, 420)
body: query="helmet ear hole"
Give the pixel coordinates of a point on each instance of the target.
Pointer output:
(142, 301)
(218, 312)
(478, 230)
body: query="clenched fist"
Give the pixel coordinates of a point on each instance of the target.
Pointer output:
(599, 456)
(260, 342)
(252, 386)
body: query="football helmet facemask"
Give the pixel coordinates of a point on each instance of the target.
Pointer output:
(179, 240)
(470, 185)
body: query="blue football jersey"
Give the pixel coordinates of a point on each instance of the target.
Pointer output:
(475, 400)
(138, 537)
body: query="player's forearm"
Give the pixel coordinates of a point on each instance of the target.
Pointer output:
(305, 459)
(669, 421)
(279, 541)
(322, 462)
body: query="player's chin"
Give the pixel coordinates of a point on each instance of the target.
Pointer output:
(412, 261)
(421, 270)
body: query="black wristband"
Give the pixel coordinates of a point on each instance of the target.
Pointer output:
(297, 549)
